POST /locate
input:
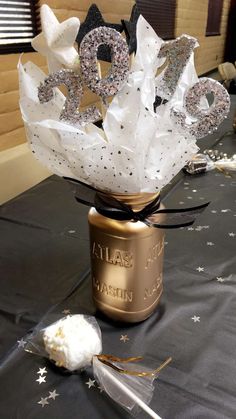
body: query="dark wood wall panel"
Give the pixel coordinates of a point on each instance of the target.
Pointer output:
(160, 14)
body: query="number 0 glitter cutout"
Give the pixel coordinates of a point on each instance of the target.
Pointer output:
(118, 73)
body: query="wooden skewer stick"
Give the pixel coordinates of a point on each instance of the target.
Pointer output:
(103, 108)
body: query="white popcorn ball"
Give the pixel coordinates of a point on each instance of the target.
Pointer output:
(73, 341)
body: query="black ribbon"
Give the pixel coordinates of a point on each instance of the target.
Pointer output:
(151, 214)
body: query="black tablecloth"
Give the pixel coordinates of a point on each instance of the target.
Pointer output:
(45, 266)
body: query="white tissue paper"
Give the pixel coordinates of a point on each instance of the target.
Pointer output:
(138, 150)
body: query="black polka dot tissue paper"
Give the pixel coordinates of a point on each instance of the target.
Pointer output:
(137, 149)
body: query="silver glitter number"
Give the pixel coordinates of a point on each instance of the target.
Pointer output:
(70, 113)
(177, 53)
(208, 119)
(118, 73)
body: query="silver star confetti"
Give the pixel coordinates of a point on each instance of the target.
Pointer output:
(66, 311)
(220, 279)
(43, 401)
(53, 394)
(41, 379)
(200, 269)
(124, 338)
(232, 234)
(210, 244)
(198, 228)
(196, 319)
(90, 383)
(21, 343)
(42, 371)
(226, 210)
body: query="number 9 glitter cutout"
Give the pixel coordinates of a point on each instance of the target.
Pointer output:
(118, 73)
(208, 119)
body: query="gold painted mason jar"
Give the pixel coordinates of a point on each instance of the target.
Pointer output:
(126, 263)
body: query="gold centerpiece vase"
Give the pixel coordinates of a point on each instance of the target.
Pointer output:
(126, 262)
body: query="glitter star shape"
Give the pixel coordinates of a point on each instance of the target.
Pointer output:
(41, 379)
(90, 383)
(56, 41)
(94, 20)
(100, 389)
(232, 234)
(21, 343)
(200, 269)
(42, 371)
(210, 244)
(124, 338)
(225, 210)
(220, 279)
(43, 401)
(196, 319)
(53, 394)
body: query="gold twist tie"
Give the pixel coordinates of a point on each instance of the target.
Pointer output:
(109, 359)
(225, 172)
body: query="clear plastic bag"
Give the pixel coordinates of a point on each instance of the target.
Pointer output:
(74, 342)
(70, 341)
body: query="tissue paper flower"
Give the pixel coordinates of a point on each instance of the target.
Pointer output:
(56, 40)
(138, 150)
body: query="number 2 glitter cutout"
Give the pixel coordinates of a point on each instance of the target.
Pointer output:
(70, 113)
